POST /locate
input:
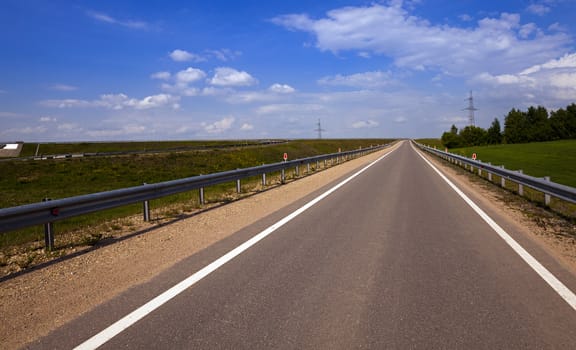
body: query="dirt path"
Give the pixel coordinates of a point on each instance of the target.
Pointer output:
(77, 285)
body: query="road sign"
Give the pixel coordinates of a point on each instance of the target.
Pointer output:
(473, 156)
(285, 156)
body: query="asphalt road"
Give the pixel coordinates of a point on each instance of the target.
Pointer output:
(393, 259)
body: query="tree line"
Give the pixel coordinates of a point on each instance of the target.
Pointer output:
(534, 125)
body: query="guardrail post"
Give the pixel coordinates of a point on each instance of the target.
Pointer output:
(283, 176)
(546, 195)
(238, 187)
(146, 208)
(502, 179)
(297, 170)
(263, 179)
(201, 193)
(520, 186)
(49, 236)
(489, 173)
(307, 168)
(48, 232)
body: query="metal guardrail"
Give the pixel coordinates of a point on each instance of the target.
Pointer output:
(50, 211)
(557, 190)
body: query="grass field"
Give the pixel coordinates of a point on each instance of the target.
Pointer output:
(24, 182)
(431, 142)
(556, 159)
(30, 149)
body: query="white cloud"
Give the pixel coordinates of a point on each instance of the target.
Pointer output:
(365, 124)
(12, 115)
(69, 127)
(553, 82)
(494, 44)
(68, 103)
(190, 75)
(564, 80)
(63, 87)
(368, 80)
(538, 9)
(126, 130)
(154, 101)
(247, 127)
(102, 17)
(117, 102)
(281, 89)
(251, 97)
(218, 127)
(161, 75)
(212, 91)
(182, 129)
(566, 61)
(180, 82)
(225, 76)
(557, 27)
(453, 120)
(185, 56)
(47, 119)
(28, 130)
(529, 29)
(288, 108)
(504, 79)
(223, 55)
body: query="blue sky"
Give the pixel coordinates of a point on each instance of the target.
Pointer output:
(161, 70)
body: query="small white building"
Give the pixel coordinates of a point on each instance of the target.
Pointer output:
(10, 150)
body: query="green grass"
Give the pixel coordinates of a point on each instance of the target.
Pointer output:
(431, 142)
(29, 149)
(24, 182)
(556, 159)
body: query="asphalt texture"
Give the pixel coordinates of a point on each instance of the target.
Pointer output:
(394, 259)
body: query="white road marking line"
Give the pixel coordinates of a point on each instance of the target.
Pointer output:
(136, 315)
(546, 275)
